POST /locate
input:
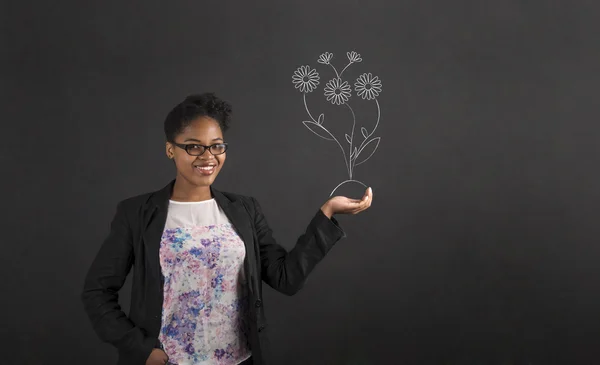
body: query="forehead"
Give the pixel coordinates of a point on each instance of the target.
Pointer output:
(202, 128)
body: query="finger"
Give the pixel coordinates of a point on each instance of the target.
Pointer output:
(369, 194)
(357, 209)
(353, 206)
(365, 195)
(353, 203)
(364, 205)
(365, 199)
(368, 199)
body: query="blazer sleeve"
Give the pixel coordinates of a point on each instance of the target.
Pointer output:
(286, 271)
(104, 279)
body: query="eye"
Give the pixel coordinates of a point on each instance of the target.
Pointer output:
(194, 147)
(219, 147)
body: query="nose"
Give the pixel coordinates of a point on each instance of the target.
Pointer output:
(206, 155)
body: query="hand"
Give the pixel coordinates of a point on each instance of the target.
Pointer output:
(344, 205)
(157, 357)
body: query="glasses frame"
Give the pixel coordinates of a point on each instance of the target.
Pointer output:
(186, 147)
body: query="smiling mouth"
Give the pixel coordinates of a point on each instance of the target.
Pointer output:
(205, 170)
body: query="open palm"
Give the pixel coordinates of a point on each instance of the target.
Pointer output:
(345, 205)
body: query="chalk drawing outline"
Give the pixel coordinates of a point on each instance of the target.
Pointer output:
(339, 92)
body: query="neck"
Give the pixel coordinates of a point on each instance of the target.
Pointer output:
(183, 191)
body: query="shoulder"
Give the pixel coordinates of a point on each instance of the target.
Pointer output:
(247, 200)
(146, 200)
(136, 200)
(135, 206)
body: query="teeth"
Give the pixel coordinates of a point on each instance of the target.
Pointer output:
(206, 168)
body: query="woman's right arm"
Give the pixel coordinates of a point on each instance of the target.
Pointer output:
(104, 279)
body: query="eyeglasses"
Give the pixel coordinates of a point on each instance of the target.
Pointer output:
(198, 149)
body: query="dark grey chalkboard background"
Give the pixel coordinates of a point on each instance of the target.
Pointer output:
(481, 246)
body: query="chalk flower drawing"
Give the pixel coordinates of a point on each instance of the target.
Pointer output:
(367, 86)
(338, 92)
(353, 56)
(306, 79)
(325, 58)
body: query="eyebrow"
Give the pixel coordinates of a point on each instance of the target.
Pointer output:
(197, 140)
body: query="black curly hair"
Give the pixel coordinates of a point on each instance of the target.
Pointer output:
(194, 106)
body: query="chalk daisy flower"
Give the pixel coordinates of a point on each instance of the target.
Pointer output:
(305, 79)
(353, 56)
(337, 92)
(367, 86)
(325, 58)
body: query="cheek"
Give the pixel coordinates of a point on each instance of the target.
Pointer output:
(182, 162)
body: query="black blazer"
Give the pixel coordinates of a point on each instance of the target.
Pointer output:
(134, 240)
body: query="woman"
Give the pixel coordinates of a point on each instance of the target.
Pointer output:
(199, 257)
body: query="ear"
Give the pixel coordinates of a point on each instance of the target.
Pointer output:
(169, 150)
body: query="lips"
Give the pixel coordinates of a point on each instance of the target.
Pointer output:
(207, 169)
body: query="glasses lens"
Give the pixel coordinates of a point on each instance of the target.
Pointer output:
(195, 150)
(218, 149)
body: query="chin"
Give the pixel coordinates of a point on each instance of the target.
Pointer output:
(208, 181)
(203, 183)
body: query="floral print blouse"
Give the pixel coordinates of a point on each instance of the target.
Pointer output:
(205, 307)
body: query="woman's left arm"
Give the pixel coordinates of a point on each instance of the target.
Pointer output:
(286, 271)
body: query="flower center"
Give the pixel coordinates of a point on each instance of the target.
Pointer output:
(368, 86)
(338, 91)
(305, 79)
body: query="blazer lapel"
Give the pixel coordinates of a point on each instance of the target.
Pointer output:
(241, 221)
(154, 225)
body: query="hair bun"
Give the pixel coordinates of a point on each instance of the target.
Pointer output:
(194, 106)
